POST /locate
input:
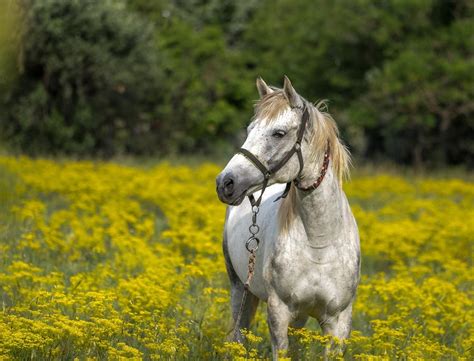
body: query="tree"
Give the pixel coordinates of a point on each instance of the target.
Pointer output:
(88, 80)
(398, 73)
(207, 88)
(421, 102)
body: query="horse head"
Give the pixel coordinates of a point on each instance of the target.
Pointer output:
(275, 148)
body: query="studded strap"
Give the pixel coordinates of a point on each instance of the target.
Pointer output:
(321, 175)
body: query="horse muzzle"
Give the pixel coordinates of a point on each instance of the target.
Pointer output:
(228, 189)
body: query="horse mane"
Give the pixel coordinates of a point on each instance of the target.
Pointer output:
(322, 131)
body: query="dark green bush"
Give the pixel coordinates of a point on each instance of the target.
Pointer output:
(89, 79)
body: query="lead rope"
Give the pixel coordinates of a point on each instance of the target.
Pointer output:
(252, 247)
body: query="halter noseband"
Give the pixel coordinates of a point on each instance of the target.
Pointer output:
(267, 173)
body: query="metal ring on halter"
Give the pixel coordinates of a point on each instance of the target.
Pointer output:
(247, 244)
(255, 209)
(254, 229)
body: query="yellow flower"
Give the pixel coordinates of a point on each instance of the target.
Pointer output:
(101, 260)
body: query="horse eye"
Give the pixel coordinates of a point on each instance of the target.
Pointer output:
(279, 134)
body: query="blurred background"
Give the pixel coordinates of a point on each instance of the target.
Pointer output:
(86, 78)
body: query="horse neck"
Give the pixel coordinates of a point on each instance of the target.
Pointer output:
(321, 210)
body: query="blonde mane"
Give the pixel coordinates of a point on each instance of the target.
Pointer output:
(322, 130)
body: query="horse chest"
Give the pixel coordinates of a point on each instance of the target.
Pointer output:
(295, 278)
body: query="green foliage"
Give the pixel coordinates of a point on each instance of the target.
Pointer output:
(86, 66)
(421, 101)
(398, 73)
(172, 76)
(206, 92)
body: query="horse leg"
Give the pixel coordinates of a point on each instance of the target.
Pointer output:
(338, 326)
(279, 318)
(236, 294)
(248, 310)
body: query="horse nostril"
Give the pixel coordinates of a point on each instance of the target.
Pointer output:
(228, 185)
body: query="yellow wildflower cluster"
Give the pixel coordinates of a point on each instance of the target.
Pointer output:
(103, 261)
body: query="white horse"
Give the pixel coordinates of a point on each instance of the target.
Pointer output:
(308, 261)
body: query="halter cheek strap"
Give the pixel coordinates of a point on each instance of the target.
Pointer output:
(267, 173)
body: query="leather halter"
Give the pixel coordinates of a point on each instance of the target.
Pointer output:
(267, 173)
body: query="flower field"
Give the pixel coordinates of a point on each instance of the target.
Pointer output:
(105, 261)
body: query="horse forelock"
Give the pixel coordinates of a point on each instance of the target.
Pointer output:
(322, 130)
(268, 108)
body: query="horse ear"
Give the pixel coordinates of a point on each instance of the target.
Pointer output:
(293, 97)
(263, 88)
